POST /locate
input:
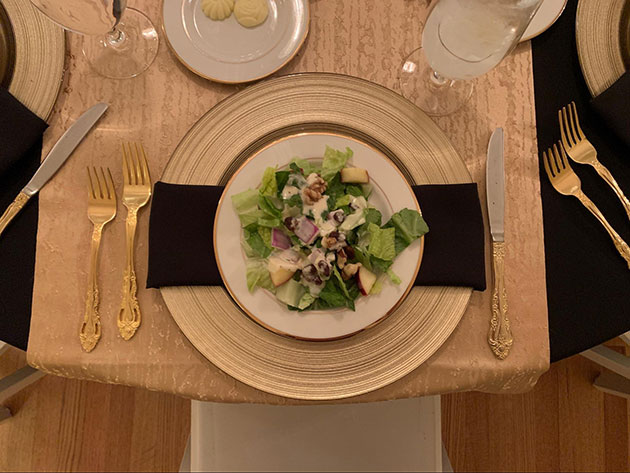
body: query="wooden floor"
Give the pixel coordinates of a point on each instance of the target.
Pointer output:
(562, 425)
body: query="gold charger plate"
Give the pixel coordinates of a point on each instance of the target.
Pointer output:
(39, 54)
(602, 33)
(218, 144)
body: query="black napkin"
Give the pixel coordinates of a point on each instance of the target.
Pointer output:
(587, 281)
(181, 251)
(613, 106)
(20, 152)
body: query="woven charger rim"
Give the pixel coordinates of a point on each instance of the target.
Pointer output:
(39, 57)
(599, 27)
(232, 131)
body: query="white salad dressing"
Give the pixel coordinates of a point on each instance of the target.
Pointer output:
(317, 208)
(289, 191)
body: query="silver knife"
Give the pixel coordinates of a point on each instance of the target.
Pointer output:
(500, 336)
(54, 160)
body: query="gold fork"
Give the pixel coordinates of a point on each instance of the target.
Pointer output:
(136, 194)
(565, 181)
(582, 151)
(101, 209)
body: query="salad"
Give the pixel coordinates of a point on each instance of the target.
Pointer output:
(312, 237)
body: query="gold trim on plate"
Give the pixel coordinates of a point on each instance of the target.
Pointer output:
(215, 147)
(228, 82)
(236, 299)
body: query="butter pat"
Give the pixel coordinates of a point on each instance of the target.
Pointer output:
(250, 13)
(217, 9)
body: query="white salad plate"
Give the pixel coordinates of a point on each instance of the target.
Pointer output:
(225, 51)
(391, 193)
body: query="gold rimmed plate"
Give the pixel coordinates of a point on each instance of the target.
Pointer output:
(390, 193)
(237, 129)
(603, 41)
(39, 53)
(225, 51)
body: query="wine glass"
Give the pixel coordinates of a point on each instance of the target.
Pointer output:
(117, 45)
(462, 39)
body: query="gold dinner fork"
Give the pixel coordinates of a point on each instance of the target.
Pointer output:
(582, 151)
(101, 209)
(565, 181)
(136, 194)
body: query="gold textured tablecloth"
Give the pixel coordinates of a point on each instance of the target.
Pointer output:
(361, 38)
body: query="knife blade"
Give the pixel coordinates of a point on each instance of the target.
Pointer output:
(57, 156)
(500, 335)
(495, 185)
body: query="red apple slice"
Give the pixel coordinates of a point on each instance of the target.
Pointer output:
(280, 275)
(354, 176)
(365, 280)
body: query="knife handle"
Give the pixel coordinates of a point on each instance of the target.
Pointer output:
(13, 209)
(500, 336)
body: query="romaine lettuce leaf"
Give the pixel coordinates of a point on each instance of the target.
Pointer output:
(306, 300)
(269, 222)
(395, 279)
(245, 201)
(258, 275)
(341, 282)
(265, 234)
(267, 206)
(343, 201)
(268, 185)
(306, 167)
(257, 243)
(332, 295)
(252, 216)
(334, 161)
(382, 244)
(281, 180)
(409, 226)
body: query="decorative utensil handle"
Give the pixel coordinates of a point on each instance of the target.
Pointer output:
(608, 177)
(500, 336)
(13, 209)
(620, 244)
(129, 317)
(90, 332)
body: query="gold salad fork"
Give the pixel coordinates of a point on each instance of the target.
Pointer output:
(136, 194)
(101, 209)
(582, 151)
(565, 181)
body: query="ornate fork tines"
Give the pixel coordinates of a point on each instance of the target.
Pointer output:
(582, 151)
(101, 209)
(566, 182)
(136, 194)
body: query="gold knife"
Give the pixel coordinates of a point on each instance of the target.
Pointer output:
(54, 160)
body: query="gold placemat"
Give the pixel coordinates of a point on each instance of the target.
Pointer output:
(602, 34)
(39, 57)
(229, 133)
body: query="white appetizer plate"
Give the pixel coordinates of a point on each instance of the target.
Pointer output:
(225, 51)
(391, 193)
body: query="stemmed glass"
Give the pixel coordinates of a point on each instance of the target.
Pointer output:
(120, 43)
(462, 39)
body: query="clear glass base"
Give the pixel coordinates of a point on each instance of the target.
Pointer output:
(125, 52)
(435, 95)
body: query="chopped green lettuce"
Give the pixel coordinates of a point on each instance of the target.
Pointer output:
(258, 275)
(255, 241)
(290, 293)
(343, 201)
(265, 234)
(306, 300)
(245, 201)
(381, 242)
(267, 206)
(252, 216)
(372, 216)
(354, 190)
(304, 166)
(377, 287)
(409, 226)
(268, 185)
(295, 201)
(395, 279)
(332, 295)
(269, 222)
(334, 161)
(341, 282)
(281, 180)
(362, 258)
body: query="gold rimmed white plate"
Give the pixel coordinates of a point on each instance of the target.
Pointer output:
(39, 52)
(390, 193)
(218, 145)
(602, 33)
(225, 51)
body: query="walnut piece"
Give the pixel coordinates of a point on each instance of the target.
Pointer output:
(315, 189)
(334, 241)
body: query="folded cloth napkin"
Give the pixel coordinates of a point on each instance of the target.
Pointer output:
(20, 152)
(613, 106)
(181, 251)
